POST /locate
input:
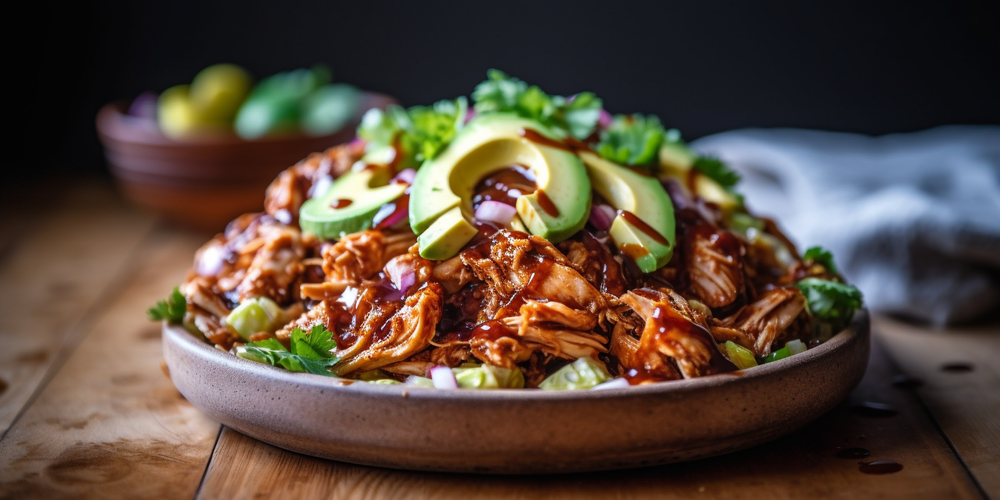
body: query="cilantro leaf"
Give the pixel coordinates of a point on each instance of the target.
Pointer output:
(500, 93)
(172, 309)
(310, 352)
(829, 300)
(821, 256)
(632, 139)
(715, 169)
(421, 132)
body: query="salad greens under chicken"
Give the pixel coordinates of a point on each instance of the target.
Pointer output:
(528, 240)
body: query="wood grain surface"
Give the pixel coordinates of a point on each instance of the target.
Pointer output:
(110, 424)
(91, 415)
(958, 371)
(55, 270)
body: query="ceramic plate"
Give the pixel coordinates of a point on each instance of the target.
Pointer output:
(517, 431)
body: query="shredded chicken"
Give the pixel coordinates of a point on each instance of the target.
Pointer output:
(758, 324)
(294, 186)
(714, 267)
(386, 337)
(357, 257)
(670, 333)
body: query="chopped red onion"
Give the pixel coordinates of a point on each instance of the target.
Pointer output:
(678, 193)
(604, 119)
(443, 378)
(389, 214)
(210, 261)
(405, 175)
(470, 114)
(617, 383)
(601, 216)
(494, 211)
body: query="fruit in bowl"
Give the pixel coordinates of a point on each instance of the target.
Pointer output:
(202, 153)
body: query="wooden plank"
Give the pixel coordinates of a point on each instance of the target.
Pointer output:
(110, 424)
(51, 276)
(966, 404)
(801, 465)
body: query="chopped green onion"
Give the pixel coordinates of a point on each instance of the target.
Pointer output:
(583, 373)
(776, 355)
(739, 355)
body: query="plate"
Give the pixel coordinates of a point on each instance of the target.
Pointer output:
(513, 431)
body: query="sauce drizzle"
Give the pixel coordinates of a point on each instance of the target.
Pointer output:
(631, 218)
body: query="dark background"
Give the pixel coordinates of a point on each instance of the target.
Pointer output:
(703, 67)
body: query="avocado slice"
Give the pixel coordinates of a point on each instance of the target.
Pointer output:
(350, 204)
(440, 200)
(644, 228)
(677, 160)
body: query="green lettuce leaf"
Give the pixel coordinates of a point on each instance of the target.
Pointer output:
(310, 352)
(632, 139)
(171, 309)
(830, 301)
(500, 93)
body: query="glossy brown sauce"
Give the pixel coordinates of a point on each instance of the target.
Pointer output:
(635, 251)
(957, 367)
(880, 467)
(546, 203)
(646, 229)
(610, 278)
(537, 138)
(668, 326)
(505, 185)
(340, 203)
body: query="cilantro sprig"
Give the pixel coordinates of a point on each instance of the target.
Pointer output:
(632, 139)
(171, 309)
(830, 301)
(420, 132)
(576, 115)
(716, 170)
(310, 352)
(821, 256)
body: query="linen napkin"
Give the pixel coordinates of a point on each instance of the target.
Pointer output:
(913, 220)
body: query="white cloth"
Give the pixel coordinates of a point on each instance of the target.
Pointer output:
(913, 220)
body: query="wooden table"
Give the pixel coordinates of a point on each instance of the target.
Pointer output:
(86, 411)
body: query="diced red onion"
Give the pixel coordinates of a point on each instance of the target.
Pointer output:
(617, 383)
(389, 216)
(443, 378)
(601, 216)
(494, 211)
(407, 280)
(470, 114)
(604, 119)
(678, 194)
(210, 261)
(406, 175)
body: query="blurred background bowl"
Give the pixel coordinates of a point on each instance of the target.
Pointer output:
(204, 182)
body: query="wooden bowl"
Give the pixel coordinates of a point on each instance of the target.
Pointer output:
(203, 182)
(511, 431)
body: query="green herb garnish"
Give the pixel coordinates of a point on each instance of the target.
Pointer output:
(716, 170)
(830, 301)
(310, 352)
(821, 256)
(632, 139)
(420, 132)
(171, 309)
(576, 116)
